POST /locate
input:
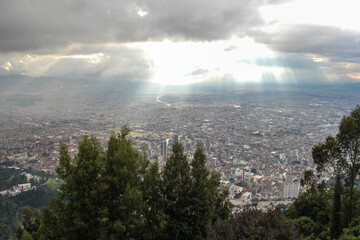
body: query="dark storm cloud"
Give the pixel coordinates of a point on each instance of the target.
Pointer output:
(323, 41)
(38, 24)
(203, 19)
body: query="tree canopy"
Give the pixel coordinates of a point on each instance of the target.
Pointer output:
(329, 210)
(118, 194)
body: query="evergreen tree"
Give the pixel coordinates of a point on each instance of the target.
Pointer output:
(84, 200)
(77, 212)
(153, 202)
(54, 222)
(203, 195)
(117, 194)
(121, 190)
(209, 201)
(177, 195)
(221, 203)
(192, 196)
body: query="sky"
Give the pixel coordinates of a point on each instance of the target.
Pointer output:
(182, 42)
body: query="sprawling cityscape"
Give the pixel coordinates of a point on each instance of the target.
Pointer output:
(259, 139)
(268, 89)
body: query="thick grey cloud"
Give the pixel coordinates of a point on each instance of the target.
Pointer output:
(64, 29)
(324, 41)
(38, 24)
(337, 49)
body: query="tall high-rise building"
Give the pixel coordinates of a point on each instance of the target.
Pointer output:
(177, 138)
(161, 148)
(208, 146)
(164, 145)
(220, 156)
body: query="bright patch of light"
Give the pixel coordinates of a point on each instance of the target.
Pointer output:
(343, 14)
(92, 58)
(355, 75)
(316, 59)
(190, 62)
(141, 13)
(39, 65)
(7, 66)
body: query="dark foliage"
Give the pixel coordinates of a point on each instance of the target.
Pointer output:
(252, 223)
(11, 208)
(36, 198)
(9, 178)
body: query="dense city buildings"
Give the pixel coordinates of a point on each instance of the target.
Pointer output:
(259, 139)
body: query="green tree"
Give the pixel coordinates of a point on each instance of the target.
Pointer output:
(307, 227)
(177, 194)
(308, 182)
(353, 231)
(192, 195)
(8, 220)
(118, 194)
(30, 220)
(121, 191)
(153, 200)
(222, 205)
(338, 158)
(26, 236)
(349, 140)
(29, 224)
(54, 222)
(254, 224)
(328, 158)
(315, 205)
(209, 201)
(101, 195)
(203, 192)
(336, 216)
(77, 212)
